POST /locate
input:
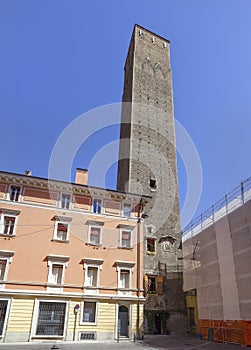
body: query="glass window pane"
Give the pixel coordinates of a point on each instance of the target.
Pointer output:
(89, 312)
(2, 269)
(92, 276)
(14, 193)
(150, 245)
(3, 309)
(95, 235)
(125, 278)
(9, 223)
(97, 206)
(65, 201)
(126, 239)
(127, 210)
(56, 274)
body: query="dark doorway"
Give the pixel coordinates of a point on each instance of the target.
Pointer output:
(157, 324)
(123, 321)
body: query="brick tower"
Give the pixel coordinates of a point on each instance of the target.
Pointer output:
(147, 165)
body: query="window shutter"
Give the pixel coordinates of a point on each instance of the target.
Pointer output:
(160, 285)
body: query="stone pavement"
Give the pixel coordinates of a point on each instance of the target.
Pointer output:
(170, 342)
(189, 342)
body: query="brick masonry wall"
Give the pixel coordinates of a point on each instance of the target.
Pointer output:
(149, 151)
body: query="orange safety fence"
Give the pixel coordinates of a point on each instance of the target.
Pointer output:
(228, 331)
(247, 332)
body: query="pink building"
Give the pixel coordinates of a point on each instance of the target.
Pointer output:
(71, 260)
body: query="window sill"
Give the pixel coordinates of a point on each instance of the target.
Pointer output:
(60, 240)
(127, 248)
(151, 253)
(94, 244)
(88, 323)
(48, 336)
(6, 235)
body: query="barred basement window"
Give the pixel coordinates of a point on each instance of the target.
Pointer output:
(51, 319)
(87, 336)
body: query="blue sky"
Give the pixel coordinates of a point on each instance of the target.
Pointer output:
(60, 59)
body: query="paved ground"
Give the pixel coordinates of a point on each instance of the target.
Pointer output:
(190, 342)
(171, 342)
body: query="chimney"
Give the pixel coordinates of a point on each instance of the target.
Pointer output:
(81, 176)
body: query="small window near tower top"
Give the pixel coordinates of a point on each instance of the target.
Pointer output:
(152, 184)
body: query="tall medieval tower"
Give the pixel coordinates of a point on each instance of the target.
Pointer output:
(147, 165)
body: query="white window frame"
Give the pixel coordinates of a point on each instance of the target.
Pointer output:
(19, 197)
(148, 252)
(93, 263)
(8, 213)
(9, 300)
(36, 314)
(101, 205)
(55, 233)
(100, 235)
(120, 241)
(82, 322)
(123, 211)
(6, 256)
(70, 200)
(60, 261)
(128, 266)
(149, 227)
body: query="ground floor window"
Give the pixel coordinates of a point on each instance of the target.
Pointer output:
(89, 312)
(51, 319)
(3, 314)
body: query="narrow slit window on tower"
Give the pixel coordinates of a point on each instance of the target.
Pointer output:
(152, 184)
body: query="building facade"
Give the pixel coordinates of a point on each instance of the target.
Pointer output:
(217, 278)
(147, 165)
(71, 259)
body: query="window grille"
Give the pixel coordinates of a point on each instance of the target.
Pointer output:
(51, 319)
(87, 336)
